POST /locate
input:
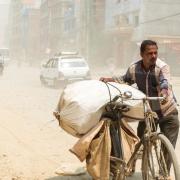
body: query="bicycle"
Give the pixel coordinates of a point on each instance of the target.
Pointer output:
(157, 151)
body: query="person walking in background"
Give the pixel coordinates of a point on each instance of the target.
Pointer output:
(1, 64)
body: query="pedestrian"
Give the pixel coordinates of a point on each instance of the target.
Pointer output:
(152, 77)
(1, 64)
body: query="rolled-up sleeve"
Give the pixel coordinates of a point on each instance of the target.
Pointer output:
(164, 77)
(126, 78)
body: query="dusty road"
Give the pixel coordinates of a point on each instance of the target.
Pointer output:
(32, 146)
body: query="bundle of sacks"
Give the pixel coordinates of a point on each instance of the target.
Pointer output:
(82, 103)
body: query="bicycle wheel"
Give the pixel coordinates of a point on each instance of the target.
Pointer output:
(159, 160)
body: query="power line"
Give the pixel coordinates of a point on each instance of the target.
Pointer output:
(159, 19)
(160, 2)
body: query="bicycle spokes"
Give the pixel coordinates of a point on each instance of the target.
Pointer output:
(156, 161)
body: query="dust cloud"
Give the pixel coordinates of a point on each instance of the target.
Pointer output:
(106, 33)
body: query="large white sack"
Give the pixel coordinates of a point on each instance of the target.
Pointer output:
(82, 103)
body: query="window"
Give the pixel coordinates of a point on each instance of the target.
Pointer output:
(49, 63)
(55, 63)
(116, 20)
(73, 64)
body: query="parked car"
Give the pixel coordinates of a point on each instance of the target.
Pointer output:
(63, 68)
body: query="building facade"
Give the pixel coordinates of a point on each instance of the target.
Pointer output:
(160, 21)
(101, 30)
(4, 9)
(60, 26)
(132, 21)
(121, 19)
(96, 43)
(24, 31)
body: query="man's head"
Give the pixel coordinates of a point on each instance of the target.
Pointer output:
(149, 52)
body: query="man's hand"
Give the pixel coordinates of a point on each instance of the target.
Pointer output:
(164, 93)
(104, 79)
(56, 114)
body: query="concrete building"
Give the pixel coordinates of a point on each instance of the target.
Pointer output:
(160, 21)
(15, 30)
(132, 21)
(24, 30)
(101, 30)
(60, 24)
(4, 9)
(121, 19)
(96, 43)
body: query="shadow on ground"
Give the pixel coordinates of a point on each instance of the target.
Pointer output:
(87, 177)
(81, 177)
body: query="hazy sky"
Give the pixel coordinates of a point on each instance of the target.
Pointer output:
(4, 1)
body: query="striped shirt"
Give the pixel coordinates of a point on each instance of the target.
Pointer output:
(151, 83)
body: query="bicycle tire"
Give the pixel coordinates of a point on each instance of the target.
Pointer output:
(154, 161)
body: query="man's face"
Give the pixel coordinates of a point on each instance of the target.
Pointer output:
(150, 55)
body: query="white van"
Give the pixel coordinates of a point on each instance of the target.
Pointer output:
(64, 68)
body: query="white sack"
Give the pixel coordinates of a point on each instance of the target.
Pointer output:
(82, 103)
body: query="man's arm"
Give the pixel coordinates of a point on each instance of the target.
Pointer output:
(107, 79)
(164, 80)
(126, 78)
(165, 86)
(164, 77)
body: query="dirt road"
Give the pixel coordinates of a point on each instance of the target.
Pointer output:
(32, 146)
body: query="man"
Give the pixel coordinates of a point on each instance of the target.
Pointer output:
(152, 77)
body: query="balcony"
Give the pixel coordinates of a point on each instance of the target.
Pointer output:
(121, 27)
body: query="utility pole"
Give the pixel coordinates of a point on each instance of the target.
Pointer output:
(86, 12)
(88, 7)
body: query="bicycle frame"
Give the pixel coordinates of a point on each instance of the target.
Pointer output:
(148, 118)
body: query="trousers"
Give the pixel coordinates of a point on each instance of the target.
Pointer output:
(168, 125)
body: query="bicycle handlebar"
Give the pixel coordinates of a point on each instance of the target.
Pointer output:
(149, 98)
(144, 98)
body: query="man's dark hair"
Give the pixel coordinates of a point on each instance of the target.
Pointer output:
(147, 43)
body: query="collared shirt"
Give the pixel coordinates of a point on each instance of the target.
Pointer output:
(151, 83)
